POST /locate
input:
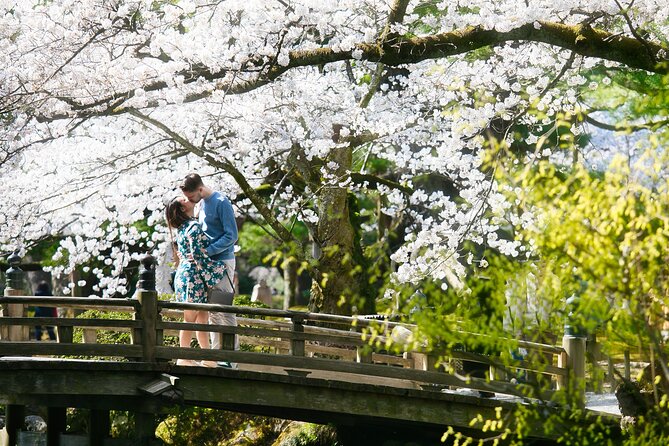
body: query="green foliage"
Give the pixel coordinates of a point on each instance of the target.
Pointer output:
(601, 236)
(77, 420)
(308, 434)
(607, 232)
(365, 79)
(650, 429)
(244, 300)
(257, 243)
(122, 424)
(191, 426)
(44, 250)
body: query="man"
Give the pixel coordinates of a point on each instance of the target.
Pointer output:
(218, 223)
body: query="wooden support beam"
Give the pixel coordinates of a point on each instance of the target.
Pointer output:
(145, 429)
(98, 426)
(56, 422)
(14, 422)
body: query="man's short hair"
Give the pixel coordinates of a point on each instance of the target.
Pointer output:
(191, 183)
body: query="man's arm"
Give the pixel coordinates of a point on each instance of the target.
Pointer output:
(229, 237)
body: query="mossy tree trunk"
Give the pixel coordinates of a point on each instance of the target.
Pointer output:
(338, 275)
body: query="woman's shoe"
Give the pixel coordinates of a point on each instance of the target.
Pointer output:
(210, 364)
(188, 362)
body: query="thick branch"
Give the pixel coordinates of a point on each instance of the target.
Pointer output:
(581, 39)
(625, 127)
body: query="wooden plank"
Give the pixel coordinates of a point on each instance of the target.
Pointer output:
(114, 385)
(300, 362)
(68, 349)
(379, 358)
(346, 354)
(311, 348)
(72, 302)
(506, 364)
(273, 329)
(99, 426)
(149, 316)
(249, 331)
(75, 322)
(14, 422)
(350, 322)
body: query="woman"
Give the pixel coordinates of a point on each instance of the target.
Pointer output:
(196, 272)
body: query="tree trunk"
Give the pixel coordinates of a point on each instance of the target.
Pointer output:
(290, 284)
(335, 235)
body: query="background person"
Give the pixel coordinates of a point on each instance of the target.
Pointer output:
(43, 289)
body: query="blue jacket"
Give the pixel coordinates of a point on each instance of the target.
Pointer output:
(218, 223)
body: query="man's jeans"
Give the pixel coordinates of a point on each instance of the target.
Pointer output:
(230, 319)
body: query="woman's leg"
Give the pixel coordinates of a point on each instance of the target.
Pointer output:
(186, 335)
(202, 317)
(203, 336)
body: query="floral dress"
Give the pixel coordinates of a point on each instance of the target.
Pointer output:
(194, 277)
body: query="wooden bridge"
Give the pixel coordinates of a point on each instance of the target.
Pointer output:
(296, 365)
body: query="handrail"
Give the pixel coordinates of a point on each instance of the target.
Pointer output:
(130, 303)
(72, 302)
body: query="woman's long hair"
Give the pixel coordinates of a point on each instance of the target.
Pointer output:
(175, 216)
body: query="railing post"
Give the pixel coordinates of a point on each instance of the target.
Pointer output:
(363, 354)
(65, 334)
(14, 287)
(148, 310)
(297, 345)
(573, 359)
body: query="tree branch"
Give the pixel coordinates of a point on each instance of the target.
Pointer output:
(633, 29)
(361, 178)
(626, 127)
(581, 39)
(228, 167)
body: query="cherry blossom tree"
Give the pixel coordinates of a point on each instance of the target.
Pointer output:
(298, 110)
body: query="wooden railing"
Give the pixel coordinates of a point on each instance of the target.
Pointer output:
(292, 340)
